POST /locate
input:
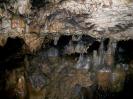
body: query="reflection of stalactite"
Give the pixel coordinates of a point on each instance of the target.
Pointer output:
(85, 93)
(21, 88)
(83, 62)
(101, 52)
(53, 55)
(109, 76)
(34, 93)
(118, 78)
(96, 60)
(53, 52)
(104, 79)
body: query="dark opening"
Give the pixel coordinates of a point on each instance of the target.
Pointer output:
(94, 46)
(39, 3)
(11, 57)
(124, 51)
(64, 40)
(11, 54)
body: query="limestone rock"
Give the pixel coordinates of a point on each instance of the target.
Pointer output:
(33, 42)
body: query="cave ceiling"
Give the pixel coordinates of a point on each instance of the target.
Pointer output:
(32, 20)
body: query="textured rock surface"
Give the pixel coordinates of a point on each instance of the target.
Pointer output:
(97, 18)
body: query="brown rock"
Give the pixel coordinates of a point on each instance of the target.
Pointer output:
(33, 41)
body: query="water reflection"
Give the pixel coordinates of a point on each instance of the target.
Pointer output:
(71, 75)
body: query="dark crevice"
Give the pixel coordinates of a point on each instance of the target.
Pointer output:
(39, 3)
(11, 54)
(124, 51)
(94, 46)
(64, 40)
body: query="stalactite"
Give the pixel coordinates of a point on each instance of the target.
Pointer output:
(80, 48)
(23, 6)
(80, 61)
(109, 55)
(101, 52)
(69, 49)
(83, 62)
(76, 37)
(56, 39)
(53, 52)
(53, 55)
(103, 73)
